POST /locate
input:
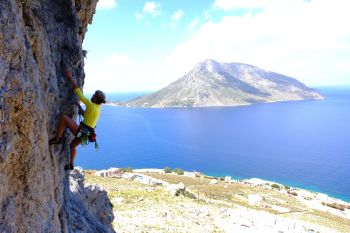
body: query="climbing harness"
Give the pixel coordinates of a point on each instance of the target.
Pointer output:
(86, 134)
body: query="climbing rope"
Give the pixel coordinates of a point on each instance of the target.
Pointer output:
(68, 202)
(2, 106)
(2, 116)
(3, 145)
(64, 140)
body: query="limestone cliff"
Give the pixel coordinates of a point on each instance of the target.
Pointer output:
(39, 39)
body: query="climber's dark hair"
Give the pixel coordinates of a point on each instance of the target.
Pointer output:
(100, 97)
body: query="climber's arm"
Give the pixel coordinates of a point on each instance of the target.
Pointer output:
(69, 76)
(76, 89)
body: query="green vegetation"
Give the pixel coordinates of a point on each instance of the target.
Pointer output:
(179, 171)
(335, 206)
(292, 193)
(275, 186)
(126, 169)
(286, 187)
(189, 195)
(167, 170)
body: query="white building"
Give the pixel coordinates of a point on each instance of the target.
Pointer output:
(228, 179)
(111, 172)
(102, 173)
(190, 174)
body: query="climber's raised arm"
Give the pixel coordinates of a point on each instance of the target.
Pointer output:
(76, 89)
(69, 76)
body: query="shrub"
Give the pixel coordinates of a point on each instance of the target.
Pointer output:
(275, 186)
(167, 170)
(286, 187)
(292, 193)
(126, 169)
(336, 206)
(179, 171)
(189, 195)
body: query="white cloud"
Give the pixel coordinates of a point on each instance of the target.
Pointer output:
(175, 18)
(118, 73)
(106, 74)
(151, 8)
(307, 40)
(106, 4)
(193, 24)
(245, 4)
(177, 15)
(118, 60)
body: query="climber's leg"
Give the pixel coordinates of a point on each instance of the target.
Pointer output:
(64, 121)
(73, 150)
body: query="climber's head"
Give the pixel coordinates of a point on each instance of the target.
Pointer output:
(99, 97)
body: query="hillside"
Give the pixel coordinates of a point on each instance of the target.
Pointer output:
(211, 83)
(149, 200)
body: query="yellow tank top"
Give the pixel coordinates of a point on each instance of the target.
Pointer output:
(92, 111)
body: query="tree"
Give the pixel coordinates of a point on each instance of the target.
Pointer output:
(179, 171)
(168, 170)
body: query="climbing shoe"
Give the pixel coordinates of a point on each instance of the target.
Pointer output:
(55, 141)
(68, 167)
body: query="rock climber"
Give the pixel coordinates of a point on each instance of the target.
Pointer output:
(84, 133)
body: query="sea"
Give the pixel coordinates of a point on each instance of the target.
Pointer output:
(304, 144)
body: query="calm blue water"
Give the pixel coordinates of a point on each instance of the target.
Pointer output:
(304, 143)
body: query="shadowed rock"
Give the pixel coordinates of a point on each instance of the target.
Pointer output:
(39, 39)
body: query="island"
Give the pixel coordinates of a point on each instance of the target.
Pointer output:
(211, 83)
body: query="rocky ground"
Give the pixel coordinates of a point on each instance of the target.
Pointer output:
(202, 205)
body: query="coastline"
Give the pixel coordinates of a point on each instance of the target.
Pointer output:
(253, 181)
(122, 104)
(153, 198)
(299, 186)
(294, 186)
(305, 187)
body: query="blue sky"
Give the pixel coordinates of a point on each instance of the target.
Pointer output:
(136, 45)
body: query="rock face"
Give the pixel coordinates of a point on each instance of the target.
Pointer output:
(90, 209)
(39, 39)
(227, 84)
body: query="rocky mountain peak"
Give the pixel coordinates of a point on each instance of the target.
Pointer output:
(208, 65)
